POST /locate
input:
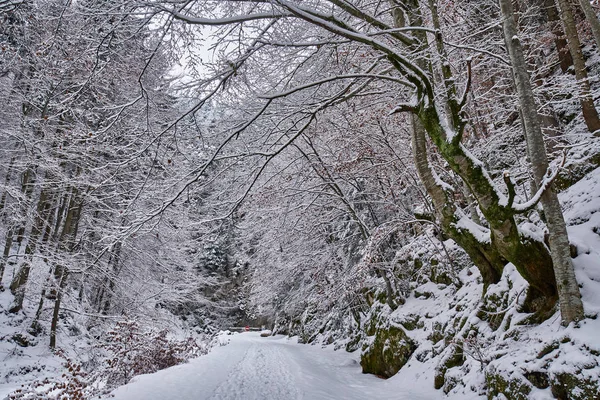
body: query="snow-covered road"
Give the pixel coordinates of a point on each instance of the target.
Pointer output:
(274, 368)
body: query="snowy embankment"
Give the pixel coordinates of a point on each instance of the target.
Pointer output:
(275, 368)
(468, 345)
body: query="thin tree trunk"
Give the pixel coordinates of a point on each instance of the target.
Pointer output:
(35, 328)
(6, 183)
(571, 306)
(56, 311)
(592, 18)
(19, 283)
(330, 181)
(562, 48)
(66, 243)
(586, 100)
(5, 255)
(50, 235)
(27, 185)
(114, 264)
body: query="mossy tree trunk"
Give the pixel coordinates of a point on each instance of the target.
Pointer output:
(530, 257)
(489, 262)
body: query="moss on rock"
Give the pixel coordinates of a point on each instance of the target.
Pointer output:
(438, 274)
(389, 350)
(354, 343)
(493, 309)
(437, 332)
(539, 379)
(513, 388)
(412, 322)
(455, 358)
(566, 386)
(575, 172)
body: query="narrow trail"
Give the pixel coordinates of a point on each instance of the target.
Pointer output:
(263, 368)
(255, 368)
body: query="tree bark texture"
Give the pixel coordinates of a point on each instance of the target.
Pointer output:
(592, 18)
(568, 291)
(489, 262)
(530, 257)
(66, 243)
(586, 100)
(19, 283)
(562, 48)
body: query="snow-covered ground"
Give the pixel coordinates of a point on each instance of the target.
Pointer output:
(274, 368)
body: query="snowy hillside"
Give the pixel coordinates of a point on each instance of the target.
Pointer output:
(465, 345)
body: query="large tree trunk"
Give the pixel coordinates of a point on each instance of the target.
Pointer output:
(489, 262)
(531, 258)
(482, 253)
(585, 95)
(571, 306)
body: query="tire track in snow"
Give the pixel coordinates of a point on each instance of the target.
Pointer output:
(263, 373)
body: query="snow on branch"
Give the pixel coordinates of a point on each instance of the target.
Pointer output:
(225, 21)
(304, 44)
(373, 21)
(409, 69)
(480, 233)
(9, 5)
(544, 185)
(404, 107)
(334, 78)
(482, 51)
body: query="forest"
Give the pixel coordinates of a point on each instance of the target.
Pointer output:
(417, 181)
